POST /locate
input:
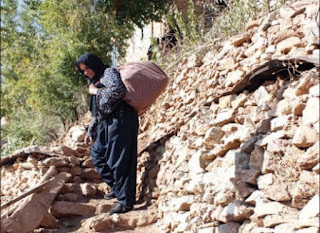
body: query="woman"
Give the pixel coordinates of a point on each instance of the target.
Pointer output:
(113, 131)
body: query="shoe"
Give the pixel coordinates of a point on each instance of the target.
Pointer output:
(110, 196)
(119, 209)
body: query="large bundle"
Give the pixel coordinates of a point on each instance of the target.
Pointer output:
(144, 81)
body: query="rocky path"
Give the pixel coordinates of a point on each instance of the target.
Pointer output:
(77, 224)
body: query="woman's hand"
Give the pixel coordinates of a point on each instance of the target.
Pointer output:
(93, 89)
(88, 140)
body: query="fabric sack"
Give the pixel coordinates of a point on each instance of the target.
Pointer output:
(144, 81)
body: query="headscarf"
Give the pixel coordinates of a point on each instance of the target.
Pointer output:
(98, 67)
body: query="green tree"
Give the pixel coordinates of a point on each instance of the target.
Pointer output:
(138, 12)
(42, 92)
(21, 49)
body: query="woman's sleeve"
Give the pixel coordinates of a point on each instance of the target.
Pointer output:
(109, 97)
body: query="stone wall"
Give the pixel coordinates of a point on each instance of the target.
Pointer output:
(231, 146)
(242, 151)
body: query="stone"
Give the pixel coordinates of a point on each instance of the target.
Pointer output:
(88, 189)
(213, 136)
(284, 107)
(90, 174)
(87, 163)
(235, 132)
(256, 158)
(234, 77)
(69, 188)
(34, 207)
(247, 227)
(256, 196)
(236, 211)
(74, 160)
(305, 84)
(311, 209)
(196, 163)
(273, 220)
(286, 45)
(208, 155)
(308, 230)
(240, 39)
(264, 208)
(195, 185)
(67, 197)
(248, 176)
(273, 188)
(269, 138)
(64, 150)
(316, 169)
(224, 117)
(198, 127)
(27, 222)
(270, 162)
(98, 223)
(285, 228)
(104, 208)
(54, 161)
(303, 140)
(182, 203)
(252, 24)
(225, 101)
(239, 101)
(223, 198)
(231, 227)
(220, 150)
(283, 35)
(76, 170)
(262, 96)
(298, 106)
(310, 114)
(314, 91)
(77, 133)
(49, 221)
(279, 123)
(304, 189)
(310, 158)
(63, 208)
(194, 60)
(263, 126)
(249, 145)
(206, 230)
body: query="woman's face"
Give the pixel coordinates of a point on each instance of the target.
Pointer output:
(86, 70)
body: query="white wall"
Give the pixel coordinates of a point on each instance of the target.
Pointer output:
(138, 45)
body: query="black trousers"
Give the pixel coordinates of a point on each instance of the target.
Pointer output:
(114, 152)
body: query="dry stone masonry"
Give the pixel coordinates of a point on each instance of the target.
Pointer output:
(232, 146)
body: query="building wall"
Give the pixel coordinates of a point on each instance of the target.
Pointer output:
(140, 42)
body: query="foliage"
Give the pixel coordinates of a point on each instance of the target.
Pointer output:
(138, 12)
(27, 128)
(190, 29)
(229, 19)
(42, 93)
(190, 32)
(234, 21)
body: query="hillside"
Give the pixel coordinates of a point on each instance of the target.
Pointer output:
(231, 146)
